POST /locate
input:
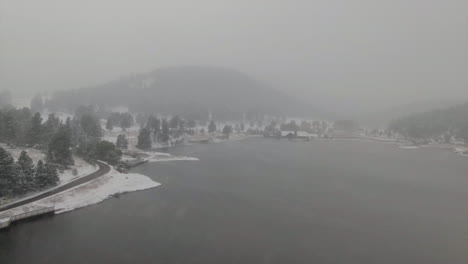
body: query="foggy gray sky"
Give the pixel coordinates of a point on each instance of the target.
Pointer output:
(356, 53)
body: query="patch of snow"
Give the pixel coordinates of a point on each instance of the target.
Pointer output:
(83, 168)
(160, 156)
(408, 147)
(173, 158)
(461, 151)
(34, 154)
(99, 190)
(89, 193)
(233, 137)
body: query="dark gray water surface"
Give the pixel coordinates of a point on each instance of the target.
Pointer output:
(268, 201)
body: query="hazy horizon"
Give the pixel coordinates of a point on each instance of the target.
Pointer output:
(353, 56)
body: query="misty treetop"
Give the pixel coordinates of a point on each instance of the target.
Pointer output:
(19, 127)
(144, 139)
(122, 141)
(59, 150)
(163, 130)
(227, 130)
(122, 120)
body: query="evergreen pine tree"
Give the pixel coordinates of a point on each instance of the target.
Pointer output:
(10, 126)
(78, 136)
(91, 127)
(7, 172)
(35, 130)
(40, 175)
(108, 152)
(155, 125)
(21, 184)
(211, 127)
(122, 142)
(50, 127)
(59, 151)
(227, 130)
(109, 124)
(52, 174)
(26, 166)
(164, 135)
(126, 121)
(144, 139)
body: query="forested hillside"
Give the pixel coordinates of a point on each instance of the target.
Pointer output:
(192, 92)
(447, 123)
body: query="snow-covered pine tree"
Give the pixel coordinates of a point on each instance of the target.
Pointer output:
(227, 130)
(7, 172)
(122, 142)
(91, 127)
(212, 127)
(50, 127)
(126, 121)
(40, 175)
(35, 130)
(59, 151)
(109, 124)
(26, 166)
(9, 126)
(52, 174)
(144, 139)
(164, 135)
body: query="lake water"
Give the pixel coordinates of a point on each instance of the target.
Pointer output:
(268, 201)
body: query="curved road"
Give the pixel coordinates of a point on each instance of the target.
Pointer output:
(103, 169)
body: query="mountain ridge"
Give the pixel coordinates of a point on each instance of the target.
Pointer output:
(187, 90)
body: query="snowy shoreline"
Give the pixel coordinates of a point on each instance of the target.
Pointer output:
(89, 193)
(458, 149)
(95, 191)
(105, 187)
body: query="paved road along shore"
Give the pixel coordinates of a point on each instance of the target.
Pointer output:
(103, 169)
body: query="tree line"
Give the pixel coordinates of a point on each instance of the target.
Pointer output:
(57, 139)
(441, 125)
(22, 176)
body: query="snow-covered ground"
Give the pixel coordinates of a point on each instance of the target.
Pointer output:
(89, 193)
(408, 147)
(98, 189)
(111, 136)
(132, 136)
(152, 156)
(83, 168)
(461, 150)
(34, 154)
